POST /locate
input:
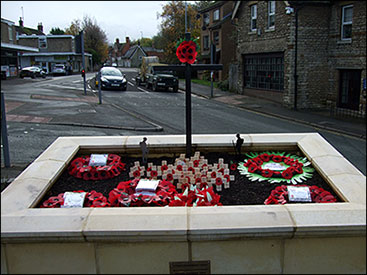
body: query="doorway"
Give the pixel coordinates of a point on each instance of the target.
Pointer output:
(349, 89)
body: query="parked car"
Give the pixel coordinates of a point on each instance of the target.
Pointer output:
(156, 79)
(59, 69)
(32, 72)
(112, 78)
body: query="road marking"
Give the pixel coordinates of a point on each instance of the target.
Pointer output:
(130, 83)
(133, 79)
(145, 91)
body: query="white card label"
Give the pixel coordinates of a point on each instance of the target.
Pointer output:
(274, 166)
(299, 194)
(147, 185)
(98, 159)
(73, 199)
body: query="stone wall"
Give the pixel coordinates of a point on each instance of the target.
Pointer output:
(321, 53)
(346, 54)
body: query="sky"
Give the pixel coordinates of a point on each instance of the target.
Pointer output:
(118, 19)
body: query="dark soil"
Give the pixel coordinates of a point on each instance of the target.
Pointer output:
(242, 191)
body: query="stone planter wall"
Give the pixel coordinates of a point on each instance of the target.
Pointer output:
(290, 238)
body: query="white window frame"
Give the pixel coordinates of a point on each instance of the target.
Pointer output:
(206, 42)
(10, 31)
(42, 42)
(271, 13)
(216, 15)
(253, 17)
(206, 19)
(347, 23)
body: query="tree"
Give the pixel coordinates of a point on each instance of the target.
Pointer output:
(203, 4)
(56, 31)
(95, 39)
(75, 28)
(173, 27)
(144, 42)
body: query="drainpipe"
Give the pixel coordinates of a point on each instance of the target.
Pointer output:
(295, 61)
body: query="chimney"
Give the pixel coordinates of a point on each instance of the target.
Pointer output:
(40, 27)
(20, 22)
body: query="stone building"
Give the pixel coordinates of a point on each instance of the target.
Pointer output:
(118, 50)
(10, 50)
(217, 29)
(304, 54)
(53, 49)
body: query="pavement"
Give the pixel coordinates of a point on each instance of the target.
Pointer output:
(132, 121)
(323, 120)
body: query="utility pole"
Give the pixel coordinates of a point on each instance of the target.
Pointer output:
(185, 17)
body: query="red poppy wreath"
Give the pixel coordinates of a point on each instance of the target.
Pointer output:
(276, 167)
(80, 168)
(186, 52)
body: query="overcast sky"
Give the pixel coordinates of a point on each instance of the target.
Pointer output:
(118, 19)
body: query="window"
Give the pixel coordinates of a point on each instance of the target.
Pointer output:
(216, 15)
(10, 31)
(206, 42)
(271, 14)
(42, 42)
(347, 16)
(216, 37)
(264, 71)
(253, 17)
(206, 19)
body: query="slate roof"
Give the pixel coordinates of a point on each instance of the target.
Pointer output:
(27, 31)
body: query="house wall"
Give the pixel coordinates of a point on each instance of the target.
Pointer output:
(136, 59)
(5, 33)
(226, 44)
(54, 44)
(321, 53)
(346, 55)
(312, 64)
(266, 41)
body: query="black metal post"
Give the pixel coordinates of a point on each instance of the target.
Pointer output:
(83, 61)
(4, 133)
(188, 103)
(99, 87)
(295, 60)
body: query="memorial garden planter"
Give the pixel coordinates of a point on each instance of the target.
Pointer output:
(236, 238)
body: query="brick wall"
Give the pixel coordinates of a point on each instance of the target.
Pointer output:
(59, 44)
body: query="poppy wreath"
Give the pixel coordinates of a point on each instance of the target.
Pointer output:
(124, 195)
(290, 168)
(279, 195)
(80, 168)
(92, 199)
(187, 51)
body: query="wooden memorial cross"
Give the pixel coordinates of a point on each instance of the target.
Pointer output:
(188, 68)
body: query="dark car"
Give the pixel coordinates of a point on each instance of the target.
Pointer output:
(112, 78)
(32, 72)
(159, 79)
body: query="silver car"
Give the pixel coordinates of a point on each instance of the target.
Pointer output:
(59, 69)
